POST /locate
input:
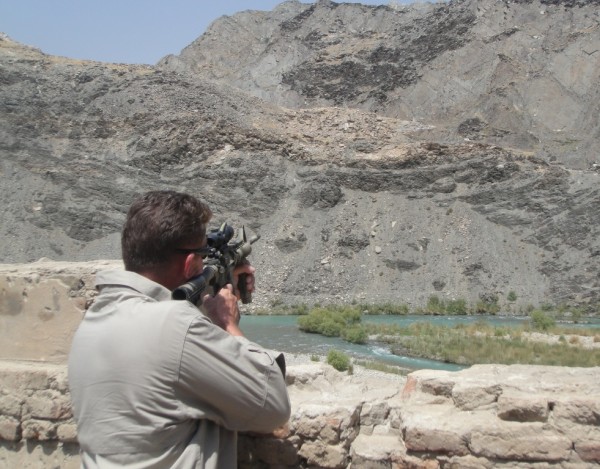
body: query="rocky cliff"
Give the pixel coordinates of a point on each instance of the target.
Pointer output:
(370, 185)
(522, 74)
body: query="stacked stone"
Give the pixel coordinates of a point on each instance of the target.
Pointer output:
(35, 415)
(488, 416)
(504, 416)
(485, 417)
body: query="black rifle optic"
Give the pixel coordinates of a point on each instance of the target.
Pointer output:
(225, 255)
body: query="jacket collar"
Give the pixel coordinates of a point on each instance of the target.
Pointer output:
(137, 282)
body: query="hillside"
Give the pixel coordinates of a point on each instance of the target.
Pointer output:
(521, 74)
(354, 200)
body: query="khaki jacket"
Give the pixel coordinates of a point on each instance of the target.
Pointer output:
(155, 384)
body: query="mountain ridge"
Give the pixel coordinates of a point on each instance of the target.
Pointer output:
(351, 204)
(515, 74)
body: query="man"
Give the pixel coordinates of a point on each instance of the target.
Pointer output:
(154, 382)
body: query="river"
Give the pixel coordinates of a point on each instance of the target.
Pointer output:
(282, 333)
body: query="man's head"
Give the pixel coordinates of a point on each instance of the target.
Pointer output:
(157, 225)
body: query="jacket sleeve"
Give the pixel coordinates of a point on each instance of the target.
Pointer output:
(230, 380)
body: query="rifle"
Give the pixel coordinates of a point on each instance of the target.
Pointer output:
(225, 255)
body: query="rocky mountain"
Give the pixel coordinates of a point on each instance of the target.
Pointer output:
(434, 177)
(522, 74)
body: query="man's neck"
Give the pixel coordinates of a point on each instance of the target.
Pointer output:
(165, 277)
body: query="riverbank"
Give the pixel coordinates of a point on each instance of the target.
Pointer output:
(459, 341)
(360, 368)
(574, 340)
(483, 344)
(365, 368)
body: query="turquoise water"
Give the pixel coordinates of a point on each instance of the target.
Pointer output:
(282, 333)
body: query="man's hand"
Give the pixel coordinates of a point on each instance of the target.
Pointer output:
(223, 310)
(250, 282)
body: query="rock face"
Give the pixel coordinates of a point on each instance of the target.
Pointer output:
(372, 201)
(486, 416)
(522, 74)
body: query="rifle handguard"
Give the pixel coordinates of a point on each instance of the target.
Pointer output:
(192, 291)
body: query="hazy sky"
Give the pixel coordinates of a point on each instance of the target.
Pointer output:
(127, 31)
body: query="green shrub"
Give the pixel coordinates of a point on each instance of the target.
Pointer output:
(332, 321)
(339, 360)
(435, 305)
(456, 306)
(355, 334)
(576, 314)
(512, 296)
(384, 308)
(541, 321)
(315, 358)
(310, 323)
(299, 309)
(487, 307)
(401, 309)
(573, 313)
(331, 327)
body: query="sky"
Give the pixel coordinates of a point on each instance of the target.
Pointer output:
(120, 31)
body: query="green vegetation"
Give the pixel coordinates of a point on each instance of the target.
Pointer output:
(461, 344)
(384, 308)
(339, 360)
(541, 321)
(437, 306)
(482, 343)
(456, 307)
(334, 321)
(572, 313)
(488, 306)
(278, 308)
(355, 334)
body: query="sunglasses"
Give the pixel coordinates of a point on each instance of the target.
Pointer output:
(202, 252)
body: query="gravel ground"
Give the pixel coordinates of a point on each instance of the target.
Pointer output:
(587, 342)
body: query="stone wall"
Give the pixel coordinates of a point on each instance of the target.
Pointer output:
(483, 417)
(41, 305)
(36, 425)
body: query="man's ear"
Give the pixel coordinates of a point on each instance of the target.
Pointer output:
(188, 266)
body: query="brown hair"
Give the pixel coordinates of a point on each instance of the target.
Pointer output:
(159, 222)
